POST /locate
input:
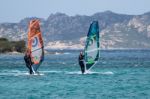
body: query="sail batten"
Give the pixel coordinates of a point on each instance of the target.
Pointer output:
(91, 50)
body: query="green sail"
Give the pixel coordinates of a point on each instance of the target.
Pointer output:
(91, 50)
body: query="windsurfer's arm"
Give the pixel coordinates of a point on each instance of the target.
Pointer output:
(81, 58)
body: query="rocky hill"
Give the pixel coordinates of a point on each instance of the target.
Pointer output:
(117, 31)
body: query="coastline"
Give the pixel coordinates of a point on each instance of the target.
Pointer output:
(12, 53)
(62, 51)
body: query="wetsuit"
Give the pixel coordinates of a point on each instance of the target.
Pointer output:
(81, 63)
(28, 62)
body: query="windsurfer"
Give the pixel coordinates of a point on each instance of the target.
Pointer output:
(28, 61)
(81, 62)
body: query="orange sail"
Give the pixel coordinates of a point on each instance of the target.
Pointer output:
(35, 43)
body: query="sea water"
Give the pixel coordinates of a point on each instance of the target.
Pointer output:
(119, 74)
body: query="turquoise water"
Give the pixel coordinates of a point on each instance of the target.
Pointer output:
(118, 75)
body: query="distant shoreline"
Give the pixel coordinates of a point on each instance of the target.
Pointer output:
(100, 49)
(12, 53)
(7, 46)
(61, 51)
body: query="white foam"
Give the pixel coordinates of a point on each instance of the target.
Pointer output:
(57, 53)
(76, 72)
(41, 73)
(108, 73)
(51, 71)
(90, 72)
(38, 74)
(13, 74)
(16, 73)
(21, 74)
(63, 63)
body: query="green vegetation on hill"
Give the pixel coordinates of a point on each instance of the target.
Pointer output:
(10, 46)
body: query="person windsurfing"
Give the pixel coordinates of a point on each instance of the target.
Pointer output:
(28, 61)
(81, 62)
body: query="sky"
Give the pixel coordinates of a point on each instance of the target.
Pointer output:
(15, 10)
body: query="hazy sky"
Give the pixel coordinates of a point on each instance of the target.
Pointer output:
(15, 10)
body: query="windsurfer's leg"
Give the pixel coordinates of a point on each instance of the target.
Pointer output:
(83, 71)
(31, 71)
(82, 68)
(28, 66)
